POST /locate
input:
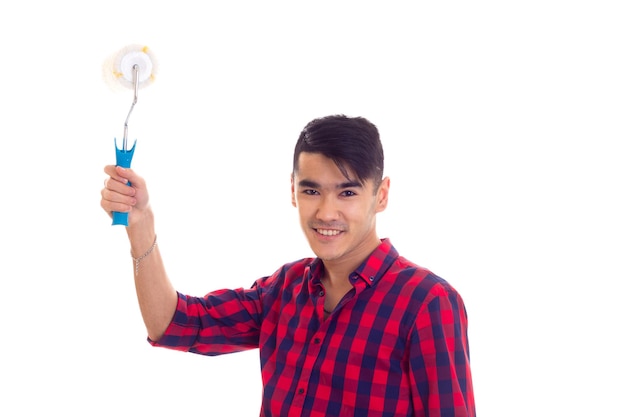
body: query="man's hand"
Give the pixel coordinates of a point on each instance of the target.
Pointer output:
(118, 196)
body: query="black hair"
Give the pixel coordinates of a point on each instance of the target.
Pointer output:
(352, 143)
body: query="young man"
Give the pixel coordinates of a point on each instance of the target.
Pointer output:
(356, 331)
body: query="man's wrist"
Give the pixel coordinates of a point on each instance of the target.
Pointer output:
(141, 231)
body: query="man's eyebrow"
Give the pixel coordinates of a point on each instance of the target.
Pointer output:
(312, 184)
(349, 184)
(308, 184)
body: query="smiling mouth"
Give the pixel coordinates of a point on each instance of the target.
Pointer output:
(328, 232)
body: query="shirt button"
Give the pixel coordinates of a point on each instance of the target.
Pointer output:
(321, 293)
(301, 391)
(371, 278)
(317, 340)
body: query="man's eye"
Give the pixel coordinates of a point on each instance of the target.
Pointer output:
(309, 192)
(348, 193)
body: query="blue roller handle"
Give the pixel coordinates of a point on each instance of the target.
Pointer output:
(123, 159)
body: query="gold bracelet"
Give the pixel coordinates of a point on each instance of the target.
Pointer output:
(148, 252)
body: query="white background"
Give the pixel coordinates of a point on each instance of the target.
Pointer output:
(503, 125)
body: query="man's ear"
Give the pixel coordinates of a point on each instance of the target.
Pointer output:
(293, 193)
(382, 195)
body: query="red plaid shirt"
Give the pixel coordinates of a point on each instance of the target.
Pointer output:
(396, 345)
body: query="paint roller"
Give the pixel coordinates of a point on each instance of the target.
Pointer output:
(132, 67)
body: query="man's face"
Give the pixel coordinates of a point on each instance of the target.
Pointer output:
(337, 214)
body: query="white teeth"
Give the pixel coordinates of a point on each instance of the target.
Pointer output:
(327, 232)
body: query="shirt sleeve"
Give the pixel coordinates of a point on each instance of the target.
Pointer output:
(439, 357)
(223, 321)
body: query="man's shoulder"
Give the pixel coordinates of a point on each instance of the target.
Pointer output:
(410, 274)
(298, 266)
(292, 270)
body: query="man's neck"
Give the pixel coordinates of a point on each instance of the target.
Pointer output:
(337, 272)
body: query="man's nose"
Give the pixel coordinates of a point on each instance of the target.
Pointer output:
(328, 209)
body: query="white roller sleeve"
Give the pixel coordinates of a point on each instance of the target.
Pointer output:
(118, 68)
(142, 60)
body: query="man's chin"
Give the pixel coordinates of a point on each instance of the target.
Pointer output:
(326, 253)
